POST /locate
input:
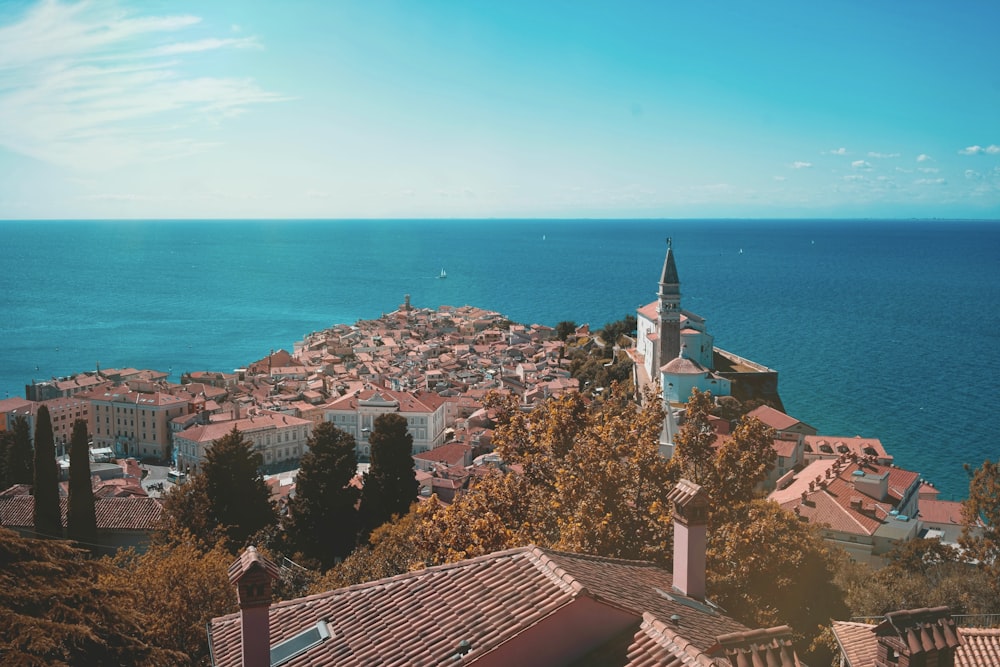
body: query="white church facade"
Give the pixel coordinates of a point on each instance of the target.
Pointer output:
(673, 346)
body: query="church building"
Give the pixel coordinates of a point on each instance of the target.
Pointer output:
(673, 346)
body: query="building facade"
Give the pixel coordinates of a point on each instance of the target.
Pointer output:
(278, 438)
(133, 423)
(425, 414)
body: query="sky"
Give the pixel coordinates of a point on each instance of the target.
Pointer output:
(480, 109)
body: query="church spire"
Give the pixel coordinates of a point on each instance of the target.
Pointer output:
(669, 308)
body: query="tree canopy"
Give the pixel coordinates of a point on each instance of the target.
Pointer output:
(239, 500)
(322, 520)
(981, 516)
(390, 485)
(56, 610)
(45, 484)
(81, 520)
(565, 329)
(18, 456)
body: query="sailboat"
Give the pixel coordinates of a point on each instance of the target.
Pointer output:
(443, 274)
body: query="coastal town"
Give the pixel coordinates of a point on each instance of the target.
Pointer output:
(433, 367)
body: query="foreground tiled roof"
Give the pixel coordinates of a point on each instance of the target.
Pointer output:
(771, 647)
(979, 647)
(420, 618)
(656, 645)
(128, 513)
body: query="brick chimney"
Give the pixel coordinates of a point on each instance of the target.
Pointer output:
(252, 574)
(917, 638)
(690, 538)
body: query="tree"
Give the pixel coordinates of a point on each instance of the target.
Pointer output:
(323, 516)
(81, 520)
(45, 484)
(390, 485)
(188, 514)
(565, 329)
(981, 518)
(18, 454)
(6, 442)
(56, 609)
(694, 452)
(182, 588)
(770, 569)
(238, 499)
(743, 462)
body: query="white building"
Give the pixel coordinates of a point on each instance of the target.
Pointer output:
(277, 437)
(425, 413)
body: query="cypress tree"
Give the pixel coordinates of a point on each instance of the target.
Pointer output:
(323, 516)
(45, 485)
(81, 520)
(391, 482)
(239, 500)
(18, 454)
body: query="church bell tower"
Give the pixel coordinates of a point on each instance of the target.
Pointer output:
(669, 309)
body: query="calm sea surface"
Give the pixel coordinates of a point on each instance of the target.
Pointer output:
(887, 329)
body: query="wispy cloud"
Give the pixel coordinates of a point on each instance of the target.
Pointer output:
(862, 165)
(928, 170)
(838, 151)
(992, 149)
(930, 181)
(798, 164)
(90, 87)
(881, 156)
(924, 157)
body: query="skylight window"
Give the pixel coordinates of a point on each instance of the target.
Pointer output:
(299, 644)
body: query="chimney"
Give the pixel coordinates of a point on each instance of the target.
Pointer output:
(690, 538)
(917, 638)
(252, 574)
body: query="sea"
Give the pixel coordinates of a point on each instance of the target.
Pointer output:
(880, 328)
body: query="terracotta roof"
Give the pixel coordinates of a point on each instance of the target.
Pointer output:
(682, 366)
(980, 647)
(251, 559)
(771, 647)
(920, 630)
(420, 617)
(834, 445)
(941, 511)
(656, 645)
(857, 642)
(127, 513)
(776, 419)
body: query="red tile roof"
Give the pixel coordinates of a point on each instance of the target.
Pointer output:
(776, 419)
(128, 513)
(941, 511)
(420, 617)
(980, 647)
(771, 647)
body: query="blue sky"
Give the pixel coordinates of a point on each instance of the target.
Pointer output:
(214, 108)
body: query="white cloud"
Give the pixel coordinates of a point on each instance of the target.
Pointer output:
(861, 164)
(873, 154)
(924, 157)
(973, 175)
(798, 164)
(780, 178)
(928, 170)
(838, 151)
(854, 177)
(992, 149)
(930, 181)
(90, 87)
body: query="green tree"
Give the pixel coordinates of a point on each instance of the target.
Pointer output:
(45, 484)
(390, 485)
(238, 499)
(18, 455)
(188, 514)
(565, 329)
(56, 609)
(81, 520)
(322, 517)
(981, 518)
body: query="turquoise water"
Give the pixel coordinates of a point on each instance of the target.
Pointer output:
(886, 329)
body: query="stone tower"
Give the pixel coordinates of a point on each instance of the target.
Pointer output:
(669, 309)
